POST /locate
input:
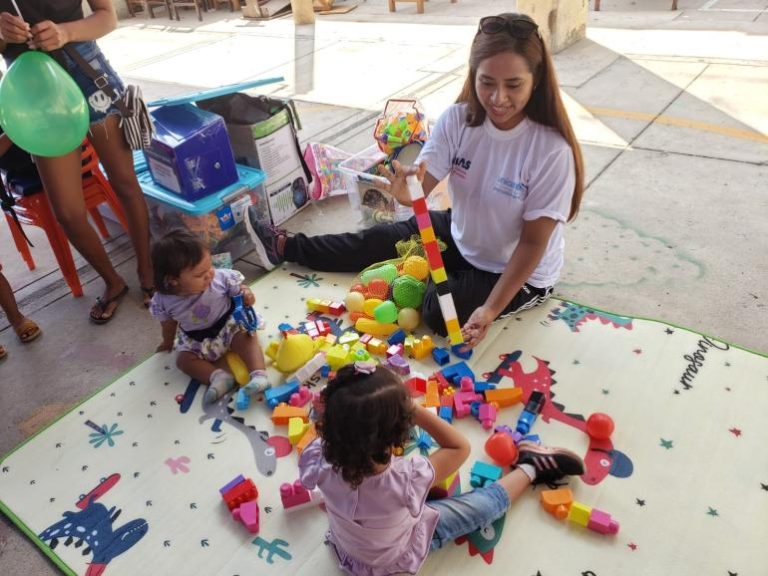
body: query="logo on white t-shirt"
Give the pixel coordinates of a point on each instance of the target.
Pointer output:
(513, 188)
(460, 166)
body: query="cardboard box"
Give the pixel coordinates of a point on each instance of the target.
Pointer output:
(190, 153)
(218, 218)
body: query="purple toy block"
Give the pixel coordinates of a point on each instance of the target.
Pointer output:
(399, 365)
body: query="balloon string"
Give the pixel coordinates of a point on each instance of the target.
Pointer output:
(16, 6)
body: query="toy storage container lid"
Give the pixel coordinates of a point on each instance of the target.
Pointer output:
(213, 92)
(248, 179)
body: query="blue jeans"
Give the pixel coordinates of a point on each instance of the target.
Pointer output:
(460, 515)
(99, 104)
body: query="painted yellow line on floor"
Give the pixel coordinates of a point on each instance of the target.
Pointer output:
(681, 122)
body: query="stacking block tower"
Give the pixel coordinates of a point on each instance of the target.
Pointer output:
(436, 267)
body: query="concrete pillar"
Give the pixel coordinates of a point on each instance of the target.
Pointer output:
(562, 22)
(303, 12)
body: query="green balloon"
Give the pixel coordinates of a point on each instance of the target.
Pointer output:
(42, 110)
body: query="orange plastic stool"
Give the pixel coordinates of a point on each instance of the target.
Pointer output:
(35, 209)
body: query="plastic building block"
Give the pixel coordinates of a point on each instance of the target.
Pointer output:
(301, 397)
(309, 435)
(457, 350)
(602, 522)
(244, 491)
(336, 357)
(504, 397)
(455, 372)
(442, 382)
(293, 494)
(446, 413)
(557, 502)
(432, 397)
(376, 346)
(283, 413)
(296, 429)
(483, 473)
(336, 308)
(395, 350)
(467, 384)
(274, 396)
(422, 347)
(326, 306)
(579, 513)
(325, 370)
(305, 372)
(399, 365)
(397, 337)
(441, 356)
(481, 387)
(349, 338)
(451, 486)
(417, 385)
(248, 514)
(242, 400)
(227, 487)
(530, 412)
(487, 415)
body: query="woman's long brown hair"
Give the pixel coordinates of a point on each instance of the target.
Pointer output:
(545, 106)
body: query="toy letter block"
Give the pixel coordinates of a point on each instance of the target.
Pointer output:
(579, 513)
(557, 502)
(283, 413)
(504, 397)
(248, 514)
(483, 473)
(602, 522)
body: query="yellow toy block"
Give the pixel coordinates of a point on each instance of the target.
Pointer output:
(422, 347)
(446, 484)
(271, 350)
(504, 397)
(370, 326)
(376, 346)
(309, 435)
(349, 338)
(284, 412)
(336, 356)
(579, 513)
(409, 340)
(428, 235)
(456, 337)
(296, 429)
(439, 275)
(557, 502)
(452, 325)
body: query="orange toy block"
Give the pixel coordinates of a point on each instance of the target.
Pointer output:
(284, 412)
(504, 397)
(557, 502)
(432, 397)
(309, 435)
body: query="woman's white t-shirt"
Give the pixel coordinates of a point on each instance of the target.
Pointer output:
(498, 179)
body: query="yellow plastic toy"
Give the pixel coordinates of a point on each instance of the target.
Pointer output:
(370, 326)
(417, 267)
(237, 367)
(293, 352)
(408, 319)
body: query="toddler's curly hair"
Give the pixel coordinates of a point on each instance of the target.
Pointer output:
(364, 417)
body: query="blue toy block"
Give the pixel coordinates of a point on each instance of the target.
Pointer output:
(456, 349)
(397, 337)
(481, 386)
(284, 327)
(242, 400)
(273, 396)
(446, 413)
(325, 370)
(474, 409)
(441, 356)
(483, 473)
(455, 372)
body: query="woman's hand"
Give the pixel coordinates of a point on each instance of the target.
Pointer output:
(475, 329)
(47, 36)
(397, 186)
(13, 29)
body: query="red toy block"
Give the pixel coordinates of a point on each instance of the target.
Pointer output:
(244, 492)
(248, 514)
(442, 381)
(336, 308)
(420, 206)
(295, 496)
(323, 327)
(417, 385)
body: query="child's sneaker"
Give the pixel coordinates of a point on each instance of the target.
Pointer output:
(551, 464)
(264, 238)
(221, 383)
(258, 383)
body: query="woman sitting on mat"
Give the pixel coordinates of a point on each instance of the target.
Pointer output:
(515, 176)
(194, 304)
(47, 25)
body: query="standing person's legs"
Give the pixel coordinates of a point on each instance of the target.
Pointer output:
(27, 330)
(117, 158)
(62, 181)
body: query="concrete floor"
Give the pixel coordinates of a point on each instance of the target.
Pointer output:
(670, 108)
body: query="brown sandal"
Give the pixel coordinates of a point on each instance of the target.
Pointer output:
(3, 353)
(28, 331)
(99, 311)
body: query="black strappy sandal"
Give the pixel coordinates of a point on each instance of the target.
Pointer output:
(99, 311)
(148, 293)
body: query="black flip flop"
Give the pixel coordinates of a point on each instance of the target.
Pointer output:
(102, 305)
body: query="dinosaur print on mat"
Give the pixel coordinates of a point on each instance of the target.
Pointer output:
(601, 458)
(575, 315)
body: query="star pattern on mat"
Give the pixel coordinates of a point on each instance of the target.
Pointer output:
(605, 391)
(727, 364)
(576, 362)
(668, 444)
(640, 502)
(637, 351)
(735, 431)
(712, 512)
(669, 331)
(727, 388)
(764, 486)
(632, 546)
(732, 573)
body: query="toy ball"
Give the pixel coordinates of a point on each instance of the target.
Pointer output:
(294, 351)
(408, 319)
(408, 292)
(359, 288)
(417, 267)
(370, 305)
(501, 448)
(387, 272)
(179, 398)
(378, 288)
(386, 312)
(600, 426)
(354, 302)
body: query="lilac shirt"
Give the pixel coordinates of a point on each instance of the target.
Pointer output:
(381, 527)
(201, 311)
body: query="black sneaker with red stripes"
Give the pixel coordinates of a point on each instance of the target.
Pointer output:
(551, 464)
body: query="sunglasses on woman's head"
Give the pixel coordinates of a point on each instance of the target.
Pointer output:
(517, 28)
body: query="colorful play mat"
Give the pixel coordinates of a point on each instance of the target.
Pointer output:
(128, 482)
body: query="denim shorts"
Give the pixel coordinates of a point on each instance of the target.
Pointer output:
(460, 515)
(99, 104)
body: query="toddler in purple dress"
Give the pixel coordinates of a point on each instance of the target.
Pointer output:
(193, 302)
